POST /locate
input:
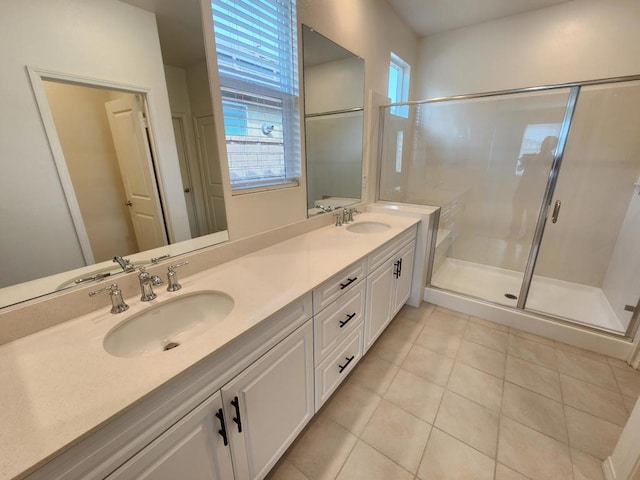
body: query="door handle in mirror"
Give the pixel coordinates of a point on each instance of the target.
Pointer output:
(556, 211)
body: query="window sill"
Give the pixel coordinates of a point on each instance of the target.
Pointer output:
(266, 187)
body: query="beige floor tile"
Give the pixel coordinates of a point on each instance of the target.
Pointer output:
(398, 435)
(535, 352)
(532, 337)
(402, 328)
(533, 377)
(352, 406)
(446, 322)
(483, 358)
(616, 362)
(586, 467)
(590, 434)
(390, 349)
(417, 314)
(536, 411)
(322, 449)
(286, 471)
(585, 369)
(469, 422)
(594, 399)
(447, 458)
(428, 365)
(532, 453)
(582, 352)
(487, 323)
(416, 395)
(374, 374)
(475, 385)
(455, 313)
(489, 337)
(629, 402)
(628, 381)
(439, 341)
(366, 463)
(505, 473)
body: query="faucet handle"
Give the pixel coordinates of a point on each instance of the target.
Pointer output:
(117, 302)
(172, 277)
(339, 218)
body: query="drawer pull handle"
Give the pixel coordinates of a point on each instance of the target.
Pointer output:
(223, 428)
(396, 268)
(348, 359)
(399, 268)
(349, 317)
(237, 419)
(350, 281)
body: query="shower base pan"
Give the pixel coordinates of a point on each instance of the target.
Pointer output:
(577, 303)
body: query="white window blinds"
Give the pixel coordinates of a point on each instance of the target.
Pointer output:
(256, 43)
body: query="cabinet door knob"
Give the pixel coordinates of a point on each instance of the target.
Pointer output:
(236, 419)
(223, 428)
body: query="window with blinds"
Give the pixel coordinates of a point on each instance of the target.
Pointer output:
(256, 44)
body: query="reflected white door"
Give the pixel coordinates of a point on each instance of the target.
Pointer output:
(134, 158)
(185, 174)
(211, 175)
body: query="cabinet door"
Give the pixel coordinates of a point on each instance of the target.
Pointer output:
(268, 404)
(380, 284)
(192, 449)
(403, 282)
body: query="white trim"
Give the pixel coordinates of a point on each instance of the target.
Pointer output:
(37, 76)
(608, 471)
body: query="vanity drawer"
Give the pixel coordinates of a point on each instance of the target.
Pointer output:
(378, 257)
(331, 372)
(333, 324)
(338, 285)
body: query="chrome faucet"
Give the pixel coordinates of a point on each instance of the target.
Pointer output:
(117, 302)
(172, 277)
(147, 282)
(124, 263)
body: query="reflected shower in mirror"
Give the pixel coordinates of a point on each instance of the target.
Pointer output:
(334, 121)
(108, 135)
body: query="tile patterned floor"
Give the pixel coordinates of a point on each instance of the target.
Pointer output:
(442, 395)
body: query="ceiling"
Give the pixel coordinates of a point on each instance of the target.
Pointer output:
(427, 17)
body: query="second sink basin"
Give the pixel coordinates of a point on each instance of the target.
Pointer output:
(368, 227)
(168, 324)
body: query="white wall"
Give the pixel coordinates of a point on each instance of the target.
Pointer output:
(334, 86)
(91, 38)
(577, 40)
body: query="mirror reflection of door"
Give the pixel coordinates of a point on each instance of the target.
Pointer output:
(106, 148)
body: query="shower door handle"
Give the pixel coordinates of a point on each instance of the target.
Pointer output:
(556, 211)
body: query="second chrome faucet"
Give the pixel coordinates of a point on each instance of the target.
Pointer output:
(147, 282)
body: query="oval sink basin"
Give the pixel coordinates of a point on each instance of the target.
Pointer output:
(368, 227)
(167, 325)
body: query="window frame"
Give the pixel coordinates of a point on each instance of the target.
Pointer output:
(401, 93)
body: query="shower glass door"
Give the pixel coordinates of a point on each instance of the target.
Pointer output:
(486, 162)
(589, 258)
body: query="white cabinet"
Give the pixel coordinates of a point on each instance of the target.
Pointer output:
(268, 404)
(193, 449)
(388, 288)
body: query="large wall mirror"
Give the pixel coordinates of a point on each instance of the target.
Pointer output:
(107, 140)
(334, 122)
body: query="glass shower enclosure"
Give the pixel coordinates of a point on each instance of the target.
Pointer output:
(539, 196)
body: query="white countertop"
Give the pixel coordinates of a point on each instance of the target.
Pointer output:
(58, 385)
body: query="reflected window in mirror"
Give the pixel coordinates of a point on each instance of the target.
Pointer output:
(256, 46)
(334, 122)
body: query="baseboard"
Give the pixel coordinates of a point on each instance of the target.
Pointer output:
(607, 470)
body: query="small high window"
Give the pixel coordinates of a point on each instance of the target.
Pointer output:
(399, 73)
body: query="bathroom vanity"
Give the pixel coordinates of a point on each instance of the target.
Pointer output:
(229, 400)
